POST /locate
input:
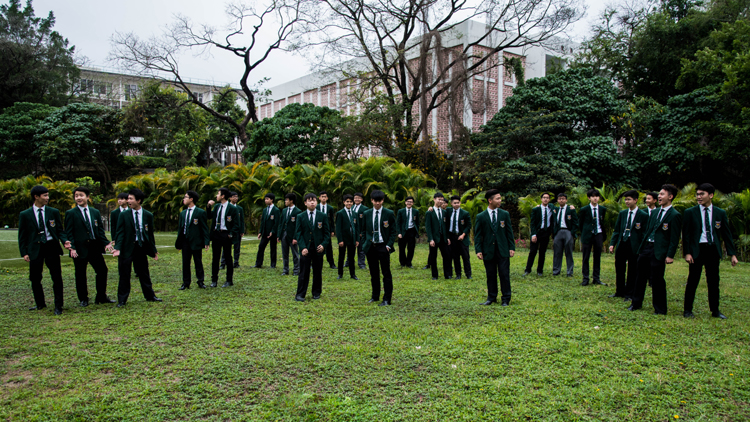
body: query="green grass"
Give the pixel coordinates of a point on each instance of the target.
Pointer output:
(559, 352)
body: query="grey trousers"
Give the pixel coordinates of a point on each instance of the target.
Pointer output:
(285, 246)
(564, 241)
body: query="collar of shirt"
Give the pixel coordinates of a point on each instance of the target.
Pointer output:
(706, 208)
(595, 208)
(36, 209)
(191, 208)
(666, 209)
(82, 208)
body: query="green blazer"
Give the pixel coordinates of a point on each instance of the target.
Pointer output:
(571, 220)
(77, 231)
(403, 225)
(361, 216)
(288, 224)
(197, 230)
(692, 228)
(331, 213)
(637, 229)
(388, 229)
(666, 233)
(125, 237)
(269, 222)
(29, 239)
(231, 221)
(487, 238)
(241, 212)
(464, 223)
(436, 230)
(315, 233)
(347, 231)
(536, 218)
(586, 220)
(113, 217)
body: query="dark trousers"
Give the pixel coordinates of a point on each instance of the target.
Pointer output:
(347, 251)
(596, 245)
(650, 267)
(96, 259)
(445, 253)
(139, 261)
(709, 258)
(379, 259)
(221, 245)
(49, 255)
(498, 268)
(264, 241)
(406, 247)
(286, 245)
(236, 248)
(197, 257)
(626, 269)
(313, 261)
(361, 254)
(459, 251)
(541, 244)
(431, 256)
(329, 253)
(563, 242)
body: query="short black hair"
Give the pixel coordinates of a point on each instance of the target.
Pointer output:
(193, 195)
(672, 189)
(86, 191)
(654, 195)
(491, 193)
(455, 197)
(137, 194)
(632, 193)
(438, 195)
(706, 187)
(377, 195)
(224, 192)
(270, 195)
(408, 198)
(308, 196)
(593, 192)
(233, 193)
(356, 194)
(323, 193)
(123, 195)
(291, 196)
(38, 190)
(545, 193)
(562, 195)
(347, 196)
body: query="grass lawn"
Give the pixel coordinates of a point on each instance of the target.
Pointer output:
(250, 352)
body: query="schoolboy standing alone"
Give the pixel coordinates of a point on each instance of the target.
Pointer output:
(592, 235)
(380, 235)
(494, 245)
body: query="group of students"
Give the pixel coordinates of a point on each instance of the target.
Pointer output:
(644, 242)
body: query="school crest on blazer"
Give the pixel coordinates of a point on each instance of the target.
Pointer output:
(294, 219)
(717, 224)
(195, 221)
(96, 223)
(665, 226)
(229, 218)
(145, 227)
(502, 223)
(637, 226)
(52, 223)
(320, 224)
(570, 217)
(272, 216)
(385, 224)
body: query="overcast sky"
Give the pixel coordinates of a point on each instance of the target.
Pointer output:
(89, 25)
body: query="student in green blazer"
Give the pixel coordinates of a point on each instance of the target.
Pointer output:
(359, 208)
(380, 235)
(237, 245)
(657, 250)
(313, 234)
(270, 217)
(192, 238)
(494, 244)
(347, 234)
(564, 234)
(85, 231)
(287, 228)
(436, 227)
(541, 227)
(122, 205)
(626, 238)
(134, 243)
(330, 211)
(407, 221)
(591, 218)
(704, 226)
(459, 236)
(40, 229)
(225, 232)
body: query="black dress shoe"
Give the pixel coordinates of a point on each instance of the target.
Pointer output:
(718, 315)
(154, 299)
(659, 313)
(37, 308)
(525, 273)
(372, 300)
(333, 267)
(227, 284)
(120, 304)
(434, 278)
(184, 286)
(409, 266)
(487, 303)
(539, 274)
(273, 267)
(584, 283)
(316, 297)
(299, 298)
(201, 285)
(688, 315)
(84, 303)
(449, 278)
(236, 265)
(570, 275)
(340, 277)
(426, 267)
(505, 304)
(58, 311)
(458, 277)
(105, 300)
(614, 295)
(468, 277)
(214, 284)
(285, 273)
(384, 303)
(354, 277)
(222, 266)
(627, 299)
(364, 267)
(555, 275)
(633, 308)
(599, 283)
(256, 266)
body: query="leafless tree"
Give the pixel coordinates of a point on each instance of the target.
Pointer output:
(247, 37)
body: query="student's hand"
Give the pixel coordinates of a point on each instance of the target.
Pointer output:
(399, 236)
(278, 240)
(156, 257)
(572, 207)
(110, 248)
(480, 255)
(512, 254)
(533, 239)
(341, 244)
(734, 260)
(116, 252)
(207, 246)
(320, 249)
(73, 253)
(26, 258)
(67, 244)
(304, 252)
(294, 241)
(260, 235)
(611, 249)
(432, 243)
(462, 237)
(357, 244)
(242, 234)
(429, 209)
(689, 259)
(211, 203)
(669, 260)
(449, 242)
(388, 248)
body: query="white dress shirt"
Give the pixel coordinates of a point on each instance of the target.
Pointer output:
(43, 222)
(710, 210)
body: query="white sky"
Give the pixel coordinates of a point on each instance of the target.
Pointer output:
(89, 25)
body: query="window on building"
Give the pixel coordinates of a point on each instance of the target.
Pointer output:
(86, 85)
(131, 91)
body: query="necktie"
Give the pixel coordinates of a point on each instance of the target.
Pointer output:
(494, 222)
(440, 222)
(289, 213)
(312, 219)
(627, 226)
(377, 224)
(656, 226)
(596, 222)
(544, 217)
(218, 217)
(455, 222)
(351, 223)
(138, 235)
(88, 222)
(707, 221)
(560, 216)
(42, 229)
(408, 218)
(187, 220)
